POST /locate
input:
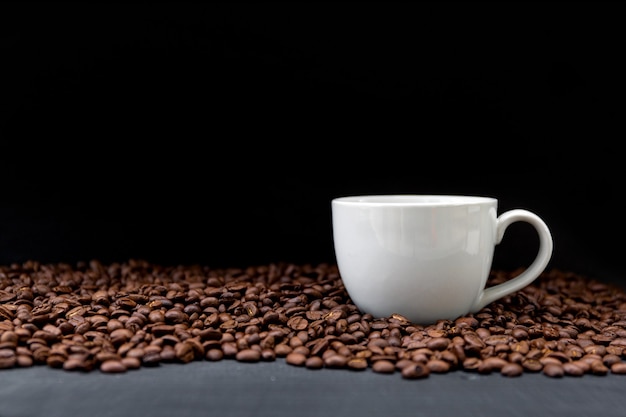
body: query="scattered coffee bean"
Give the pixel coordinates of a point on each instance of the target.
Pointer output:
(598, 368)
(283, 350)
(618, 368)
(8, 358)
(384, 366)
(415, 371)
(113, 366)
(214, 355)
(357, 364)
(248, 355)
(296, 359)
(438, 366)
(554, 370)
(335, 361)
(315, 362)
(131, 363)
(124, 316)
(512, 369)
(573, 369)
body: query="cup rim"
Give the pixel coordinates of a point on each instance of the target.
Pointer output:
(413, 200)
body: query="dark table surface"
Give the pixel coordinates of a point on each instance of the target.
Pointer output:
(229, 388)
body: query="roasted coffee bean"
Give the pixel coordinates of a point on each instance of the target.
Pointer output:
(296, 359)
(471, 363)
(532, 365)
(357, 364)
(214, 355)
(512, 369)
(75, 363)
(156, 316)
(438, 366)
(26, 361)
(415, 371)
(121, 336)
(573, 369)
(151, 359)
(473, 342)
(618, 368)
(519, 333)
(315, 362)
(56, 360)
(438, 343)
(335, 361)
(610, 359)
(8, 358)
(598, 368)
(383, 366)
(554, 370)
(229, 349)
(268, 355)
(184, 352)
(10, 337)
(248, 355)
(282, 349)
(495, 363)
(168, 354)
(113, 366)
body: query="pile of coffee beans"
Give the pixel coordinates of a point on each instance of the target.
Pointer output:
(123, 316)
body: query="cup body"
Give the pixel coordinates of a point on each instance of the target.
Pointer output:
(425, 257)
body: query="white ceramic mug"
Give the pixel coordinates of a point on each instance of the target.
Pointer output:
(426, 257)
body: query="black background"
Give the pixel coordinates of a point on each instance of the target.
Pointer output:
(218, 133)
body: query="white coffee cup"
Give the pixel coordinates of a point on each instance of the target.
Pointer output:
(426, 257)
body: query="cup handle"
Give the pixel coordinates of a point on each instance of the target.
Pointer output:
(533, 271)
